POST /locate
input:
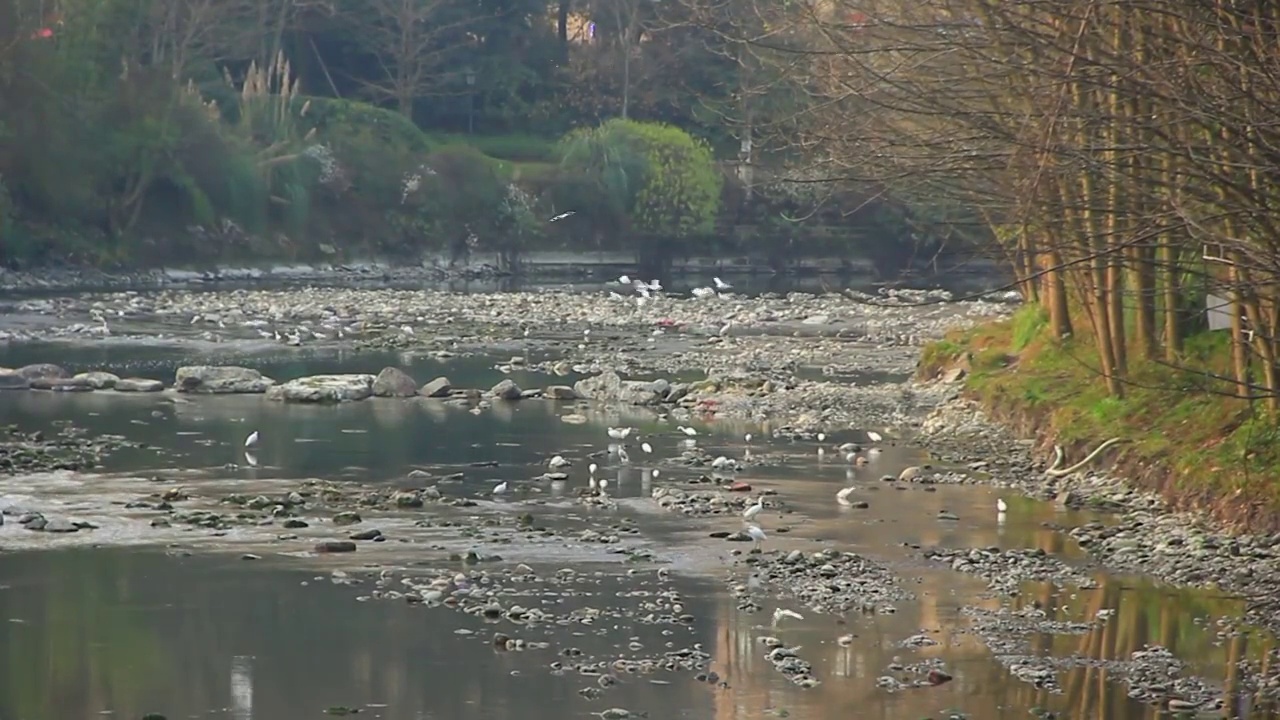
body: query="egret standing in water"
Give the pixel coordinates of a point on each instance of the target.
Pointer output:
(252, 440)
(781, 613)
(757, 536)
(1001, 506)
(500, 488)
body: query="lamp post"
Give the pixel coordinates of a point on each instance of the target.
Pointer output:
(471, 100)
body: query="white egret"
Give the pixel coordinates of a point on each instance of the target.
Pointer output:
(592, 482)
(747, 437)
(646, 447)
(592, 468)
(1001, 506)
(720, 284)
(842, 497)
(874, 436)
(557, 462)
(252, 440)
(757, 536)
(500, 488)
(822, 437)
(624, 280)
(618, 433)
(780, 613)
(687, 431)
(751, 512)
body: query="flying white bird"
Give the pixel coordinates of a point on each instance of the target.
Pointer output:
(563, 215)
(874, 436)
(687, 431)
(842, 497)
(646, 447)
(751, 512)
(1001, 505)
(252, 440)
(720, 284)
(757, 536)
(780, 613)
(500, 488)
(557, 462)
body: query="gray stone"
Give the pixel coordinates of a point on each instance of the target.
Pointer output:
(144, 385)
(560, 392)
(394, 382)
(43, 370)
(324, 389)
(335, 546)
(438, 388)
(221, 379)
(58, 525)
(11, 380)
(506, 390)
(346, 518)
(609, 387)
(60, 384)
(98, 380)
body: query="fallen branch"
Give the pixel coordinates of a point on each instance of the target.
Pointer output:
(1058, 457)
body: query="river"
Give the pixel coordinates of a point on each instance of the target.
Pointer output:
(131, 619)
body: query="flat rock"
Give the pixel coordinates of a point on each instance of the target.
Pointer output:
(335, 546)
(12, 380)
(609, 387)
(560, 392)
(98, 380)
(438, 388)
(145, 385)
(221, 379)
(43, 370)
(64, 384)
(394, 382)
(324, 389)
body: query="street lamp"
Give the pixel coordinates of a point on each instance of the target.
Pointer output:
(471, 100)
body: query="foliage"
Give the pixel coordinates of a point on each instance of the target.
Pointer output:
(658, 177)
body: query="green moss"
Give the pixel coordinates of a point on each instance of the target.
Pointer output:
(1175, 418)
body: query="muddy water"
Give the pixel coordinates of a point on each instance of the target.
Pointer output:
(130, 631)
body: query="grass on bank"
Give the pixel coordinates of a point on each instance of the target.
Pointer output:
(1170, 417)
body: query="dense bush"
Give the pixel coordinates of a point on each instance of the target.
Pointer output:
(650, 178)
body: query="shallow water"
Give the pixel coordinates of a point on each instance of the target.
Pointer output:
(125, 632)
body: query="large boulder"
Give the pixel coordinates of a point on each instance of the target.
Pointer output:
(608, 387)
(394, 382)
(324, 389)
(220, 379)
(12, 380)
(40, 371)
(507, 390)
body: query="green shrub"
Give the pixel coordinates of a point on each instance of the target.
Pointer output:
(651, 177)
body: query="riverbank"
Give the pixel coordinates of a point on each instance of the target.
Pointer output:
(1189, 474)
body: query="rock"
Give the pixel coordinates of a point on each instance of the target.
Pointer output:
(560, 392)
(346, 518)
(324, 389)
(955, 374)
(59, 525)
(910, 474)
(394, 382)
(438, 388)
(60, 384)
(369, 534)
(407, 498)
(220, 379)
(144, 385)
(609, 387)
(11, 380)
(43, 371)
(98, 380)
(335, 546)
(506, 390)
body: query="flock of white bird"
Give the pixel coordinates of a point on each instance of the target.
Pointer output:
(646, 291)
